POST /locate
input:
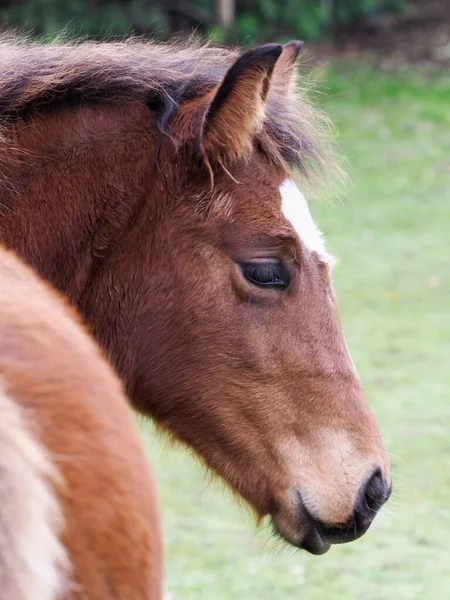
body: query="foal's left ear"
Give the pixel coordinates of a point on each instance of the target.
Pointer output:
(236, 112)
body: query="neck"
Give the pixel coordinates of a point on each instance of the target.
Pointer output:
(71, 185)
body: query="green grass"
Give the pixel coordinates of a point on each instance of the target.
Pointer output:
(392, 237)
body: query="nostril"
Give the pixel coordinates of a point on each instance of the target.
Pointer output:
(376, 491)
(371, 498)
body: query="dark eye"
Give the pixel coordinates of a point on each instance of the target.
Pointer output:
(266, 275)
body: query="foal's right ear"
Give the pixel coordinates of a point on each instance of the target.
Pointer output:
(284, 73)
(236, 111)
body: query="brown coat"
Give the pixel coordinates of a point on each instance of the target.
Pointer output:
(78, 508)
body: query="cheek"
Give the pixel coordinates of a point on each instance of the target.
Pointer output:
(202, 287)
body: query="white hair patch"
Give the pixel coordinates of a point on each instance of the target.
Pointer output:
(295, 209)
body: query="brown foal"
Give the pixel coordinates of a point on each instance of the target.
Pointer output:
(153, 186)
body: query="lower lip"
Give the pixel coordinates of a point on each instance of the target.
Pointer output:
(318, 549)
(314, 544)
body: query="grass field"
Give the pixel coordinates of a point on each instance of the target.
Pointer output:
(392, 237)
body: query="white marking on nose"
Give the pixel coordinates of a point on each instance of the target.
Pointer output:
(295, 209)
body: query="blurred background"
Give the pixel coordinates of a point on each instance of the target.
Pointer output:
(380, 68)
(389, 25)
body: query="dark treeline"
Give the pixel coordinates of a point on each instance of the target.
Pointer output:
(245, 21)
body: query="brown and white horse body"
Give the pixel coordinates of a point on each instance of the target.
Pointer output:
(79, 516)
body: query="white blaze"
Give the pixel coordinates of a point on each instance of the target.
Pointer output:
(295, 209)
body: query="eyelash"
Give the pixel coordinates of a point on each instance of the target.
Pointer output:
(272, 275)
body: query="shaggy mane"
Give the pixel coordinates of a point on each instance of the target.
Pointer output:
(38, 77)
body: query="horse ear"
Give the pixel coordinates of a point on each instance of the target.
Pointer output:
(236, 111)
(283, 75)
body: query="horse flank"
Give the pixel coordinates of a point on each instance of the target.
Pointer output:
(73, 472)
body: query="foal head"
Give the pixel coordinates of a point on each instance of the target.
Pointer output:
(230, 329)
(205, 278)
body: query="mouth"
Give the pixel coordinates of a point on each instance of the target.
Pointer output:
(316, 537)
(313, 541)
(313, 538)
